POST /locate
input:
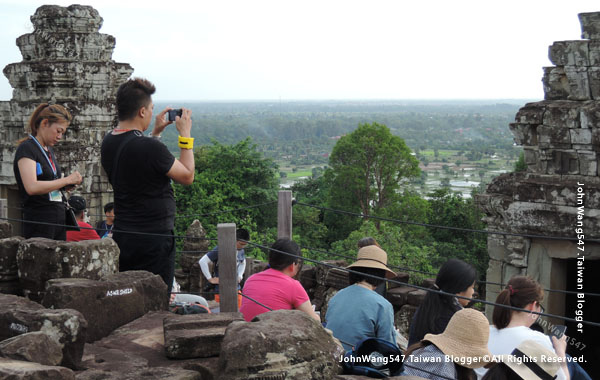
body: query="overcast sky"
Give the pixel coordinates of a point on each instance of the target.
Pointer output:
(326, 49)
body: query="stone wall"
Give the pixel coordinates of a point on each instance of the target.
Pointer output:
(66, 61)
(561, 141)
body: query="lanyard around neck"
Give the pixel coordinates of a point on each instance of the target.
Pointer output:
(46, 154)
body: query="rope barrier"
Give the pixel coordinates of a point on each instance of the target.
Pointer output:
(435, 274)
(113, 230)
(595, 324)
(594, 240)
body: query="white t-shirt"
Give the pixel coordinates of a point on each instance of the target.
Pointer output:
(504, 341)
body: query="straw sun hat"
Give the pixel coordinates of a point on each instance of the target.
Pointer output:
(372, 256)
(532, 361)
(465, 338)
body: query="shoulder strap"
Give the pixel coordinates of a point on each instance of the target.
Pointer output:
(125, 141)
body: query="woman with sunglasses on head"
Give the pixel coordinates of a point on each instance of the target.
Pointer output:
(39, 176)
(511, 327)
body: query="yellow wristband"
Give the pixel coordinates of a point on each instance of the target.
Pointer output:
(186, 142)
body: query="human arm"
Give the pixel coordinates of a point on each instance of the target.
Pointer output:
(204, 262)
(27, 169)
(308, 309)
(183, 169)
(384, 325)
(560, 348)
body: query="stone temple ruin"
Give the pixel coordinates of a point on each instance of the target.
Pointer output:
(65, 61)
(560, 190)
(81, 319)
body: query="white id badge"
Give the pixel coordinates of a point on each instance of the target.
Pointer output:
(55, 196)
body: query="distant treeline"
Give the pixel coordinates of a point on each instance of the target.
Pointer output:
(310, 128)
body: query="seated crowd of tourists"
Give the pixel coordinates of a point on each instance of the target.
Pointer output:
(447, 338)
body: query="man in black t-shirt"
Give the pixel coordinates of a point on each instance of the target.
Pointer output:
(140, 170)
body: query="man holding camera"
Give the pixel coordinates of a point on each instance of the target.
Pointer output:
(140, 170)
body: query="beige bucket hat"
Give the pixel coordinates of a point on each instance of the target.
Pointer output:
(372, 256)
(532, 361)
(465, 338)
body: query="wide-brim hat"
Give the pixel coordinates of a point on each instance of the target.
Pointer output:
(465, 338)
(372, 256)
(532, 361)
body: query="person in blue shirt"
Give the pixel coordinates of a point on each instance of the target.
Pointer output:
(104, 227)
(357, 312)
(212, 257)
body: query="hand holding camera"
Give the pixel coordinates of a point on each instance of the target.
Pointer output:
(183, 123)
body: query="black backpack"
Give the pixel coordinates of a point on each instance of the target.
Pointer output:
(374, 357)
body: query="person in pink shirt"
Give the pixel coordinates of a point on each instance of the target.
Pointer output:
(275, 287)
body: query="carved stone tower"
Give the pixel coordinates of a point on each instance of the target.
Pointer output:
(559, 194)
(66, 61)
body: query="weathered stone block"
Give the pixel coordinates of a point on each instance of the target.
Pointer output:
(37, 347)
(18, 315)
(562, 114)
(336, 278)
(594, 80)
(72, 19)
(109, 303)
(8, 258)
(594, 55)
(554, 137)
(563, 162)
(590, 25)
(399, 296)
(5, 229)
(579, 83)
(416, 297)
(556, 84)
(307, 277)
(403, 318)
(588, 164)
(401, 277)
(525, 134)
(569, 53)
(322, 270)
(16, 369)
(40, 260)
(285, 343)
(152, 373)
(531, 113)
(111, 359)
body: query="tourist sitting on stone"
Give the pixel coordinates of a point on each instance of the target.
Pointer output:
(38, 173)
(454, 353)
(512, 327)
(529, 361)
(86, 231)
(212, 257)
(357, 312)
(104, 227)
(275, 287)
(432, 316)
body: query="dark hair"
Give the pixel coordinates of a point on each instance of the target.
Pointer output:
(462, 373)
(54, 113)
(454, 276)
(366, 241)
(242, 234)
(519, 292)
(109, 207)
(501, 371)
(353, 278)
(133, 95)
(279, 260)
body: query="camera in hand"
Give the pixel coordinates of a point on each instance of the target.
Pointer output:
(174, 113)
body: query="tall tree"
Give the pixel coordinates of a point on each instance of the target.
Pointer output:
(369, 165)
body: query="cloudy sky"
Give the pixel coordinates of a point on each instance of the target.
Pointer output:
(327, 49)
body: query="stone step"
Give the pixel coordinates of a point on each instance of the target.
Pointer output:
(16, 369)
(109, 303)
